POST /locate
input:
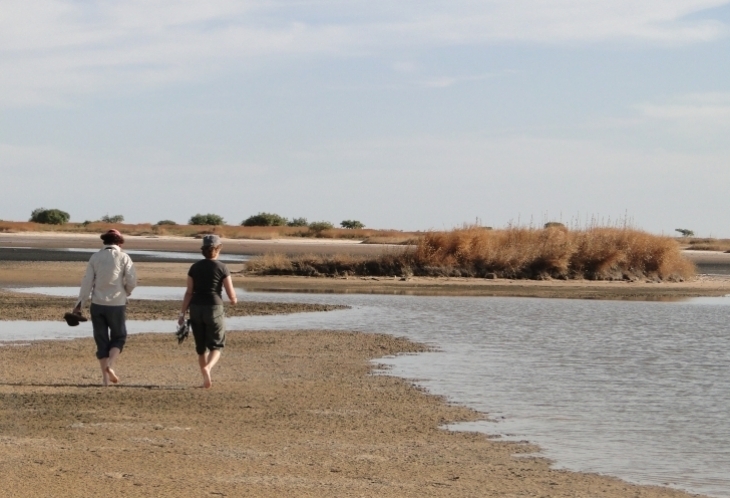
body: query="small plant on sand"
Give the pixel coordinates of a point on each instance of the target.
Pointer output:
(206, 219)
(49, 216)
(352, 224)
(265, 220)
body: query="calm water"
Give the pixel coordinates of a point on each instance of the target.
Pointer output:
(640, 390)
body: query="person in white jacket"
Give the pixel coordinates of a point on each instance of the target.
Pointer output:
(109, 279)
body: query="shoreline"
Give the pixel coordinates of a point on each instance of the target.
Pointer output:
(297, 414)
(27, 271)
(69, 273)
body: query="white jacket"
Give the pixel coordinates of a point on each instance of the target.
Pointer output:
(110, 277)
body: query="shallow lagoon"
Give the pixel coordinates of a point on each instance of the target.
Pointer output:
(640, 390)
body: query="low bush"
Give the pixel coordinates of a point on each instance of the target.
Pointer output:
(117, 218)
(49, 216)
(320, 226)
(165, 222)
(265, 220)
(297, 222)
(206, 219)
(352, 224)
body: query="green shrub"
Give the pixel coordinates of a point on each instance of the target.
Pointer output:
(165, 222)
(320, 226)
(206, 219)
(352, 224)
(117, 218)
(685, 232)
(49, 216)
(264, 220)
(298, 222)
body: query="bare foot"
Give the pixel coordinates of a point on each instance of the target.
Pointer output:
(207, 382)
(112, 376)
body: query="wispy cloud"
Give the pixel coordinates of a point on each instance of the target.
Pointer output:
(52, 50)
(713, 107)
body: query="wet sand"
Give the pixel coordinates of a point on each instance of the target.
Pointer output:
(34, 307)
(294, 414)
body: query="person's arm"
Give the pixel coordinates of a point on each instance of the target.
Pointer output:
(230, 291)
(130, 276)
(87, 285)
(186, 301)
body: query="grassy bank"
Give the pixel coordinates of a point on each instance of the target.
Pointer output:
(706, 244)
(366, 235)
(518, 253)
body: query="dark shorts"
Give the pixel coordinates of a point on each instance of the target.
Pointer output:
(110, 329)
(209, 328)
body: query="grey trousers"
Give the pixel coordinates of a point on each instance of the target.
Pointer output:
(110, 329)
(209, 327)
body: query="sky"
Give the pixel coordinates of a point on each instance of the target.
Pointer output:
(409, 115)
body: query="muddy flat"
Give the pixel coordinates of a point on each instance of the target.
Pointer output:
(296, 414)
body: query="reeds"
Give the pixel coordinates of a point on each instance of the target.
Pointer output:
(518, 253)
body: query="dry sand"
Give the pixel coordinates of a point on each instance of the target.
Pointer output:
(295, 414)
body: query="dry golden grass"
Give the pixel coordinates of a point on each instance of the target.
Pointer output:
(595, 253)
(226, 231)
(697, 244)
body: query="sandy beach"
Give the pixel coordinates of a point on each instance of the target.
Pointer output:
(295, 414)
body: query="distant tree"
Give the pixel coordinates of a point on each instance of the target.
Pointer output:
(117, 218)
(206, 219)
(352, 224)
(554, 224)
(264, 220)
(685, 232)
(320, 226)
(49, 216)
(165, 222)
(298, 222)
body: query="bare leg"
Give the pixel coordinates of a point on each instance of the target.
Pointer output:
(104, 374)
(113, 355)
(207, 362)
